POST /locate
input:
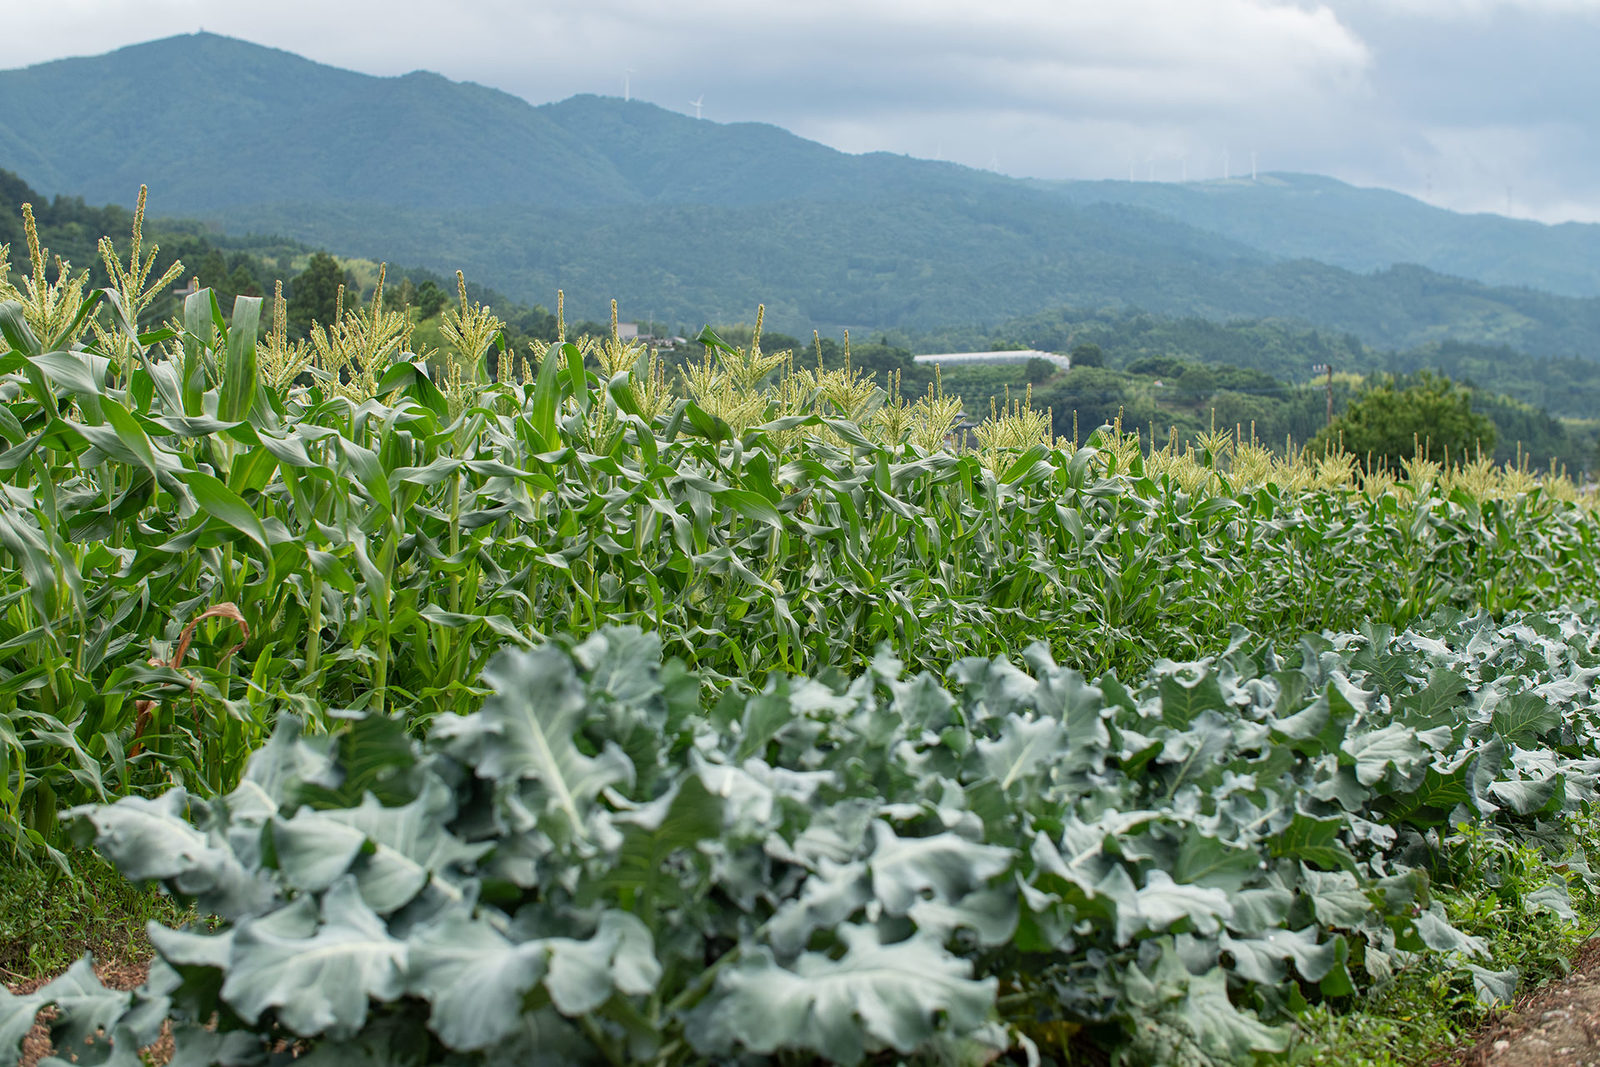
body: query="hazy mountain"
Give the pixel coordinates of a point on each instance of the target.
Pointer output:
(211, 123)
(689, 221)
(932, 260)
(1313, 217)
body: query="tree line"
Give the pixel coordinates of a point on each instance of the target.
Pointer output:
(1165, 377)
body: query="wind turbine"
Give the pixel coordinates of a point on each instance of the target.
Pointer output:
(1252, 166)
(696, 104)
(626, 95)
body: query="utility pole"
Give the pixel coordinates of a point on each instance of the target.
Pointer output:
(1328, 368)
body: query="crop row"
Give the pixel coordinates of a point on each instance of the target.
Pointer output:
(374, 553)
(588, 868)
(205, 531)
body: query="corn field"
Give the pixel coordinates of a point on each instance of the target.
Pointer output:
(206, 529)
(588, 707)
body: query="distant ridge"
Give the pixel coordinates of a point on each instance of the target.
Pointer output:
(1308, 216)
(690, 220)
(212, 123)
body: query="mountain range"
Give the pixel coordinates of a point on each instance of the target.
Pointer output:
(690, 221)
(1307, 216)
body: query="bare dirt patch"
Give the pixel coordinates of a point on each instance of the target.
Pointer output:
(115, 974)
(1556, 1025)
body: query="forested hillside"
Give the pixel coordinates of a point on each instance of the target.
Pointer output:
(931, 261)
(686, 220)
(1308, 216)
(1285, 349)
(1160, 375)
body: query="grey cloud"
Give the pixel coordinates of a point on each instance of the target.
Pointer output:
(1505, 65)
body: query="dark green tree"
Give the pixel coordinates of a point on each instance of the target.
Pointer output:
(1163, 367)
(430, 299)
(1088, 355)
(242, 283)
(1394, 419)
(213, 272)
(1092, 395)
(14, 192)
(399, 295)
(313, 295)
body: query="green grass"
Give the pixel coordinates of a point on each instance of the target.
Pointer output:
(1428, 1011)
(49, 919)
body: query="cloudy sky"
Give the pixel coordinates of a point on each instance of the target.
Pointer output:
(1477, 105)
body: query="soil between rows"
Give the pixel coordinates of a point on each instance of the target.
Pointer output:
(1556, 1025)
(116, 975)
